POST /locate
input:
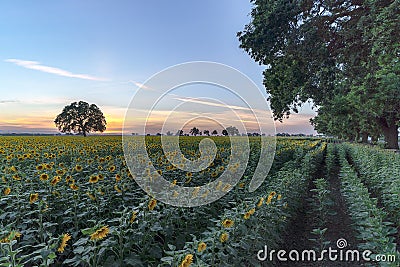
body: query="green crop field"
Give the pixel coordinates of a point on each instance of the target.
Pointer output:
(73, 201)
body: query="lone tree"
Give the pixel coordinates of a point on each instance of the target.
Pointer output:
(81, 118)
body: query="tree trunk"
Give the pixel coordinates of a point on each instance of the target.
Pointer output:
(84, 134)
(364, 137)
(391, 133)
(391, 136)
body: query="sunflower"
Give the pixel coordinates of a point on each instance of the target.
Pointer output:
(33, 198)
(214, 174)
(269, 199)
(173, 183)
(227, 223)
(118, 177)
(44, 177)
(16, 177)
(246, 215)
(201, 247)
(241, 185)
(117, 189)
(226, 187)
(93, 179)
(279, 197)
(100, 233)
(133, 217)
(40, 167)
(152, 204)
(7, 191)
(272, 194)
(73, 186)
(11, 236)
(260, 202)
(78, 168)
(187, 261)
(55, 180)
(63, 244)
(252, 211)
(92, 197)
(111, 168)
(224, 237)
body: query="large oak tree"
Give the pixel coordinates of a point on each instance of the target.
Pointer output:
(328, 51)
(82, 118)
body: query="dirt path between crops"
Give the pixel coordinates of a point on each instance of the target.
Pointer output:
(339, 223)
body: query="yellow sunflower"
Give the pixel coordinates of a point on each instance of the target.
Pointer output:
(224, 237)
(63, 244)
(227, 223)
(201, 247)
(187, 261)
(100, 233)
(152, 204)
(7, 191)
(33, 198)
(93, 179)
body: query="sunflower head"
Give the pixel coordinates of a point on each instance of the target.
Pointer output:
(201, 247)
(152, 204)
(33, 198)
(224, 237)
(63, 242)
(93, 179)
(227, 223)
(100, 233)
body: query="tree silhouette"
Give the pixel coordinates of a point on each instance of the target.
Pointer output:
(81, 118)
(224, 132)
(206, 132)
(214, 132)
(232, 130)
(194, 131)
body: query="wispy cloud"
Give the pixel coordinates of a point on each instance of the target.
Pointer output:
(8, 101)
(34, 65)
(209, 103)
(140, 85)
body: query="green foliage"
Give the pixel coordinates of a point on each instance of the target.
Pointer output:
(81, 118)
(344, 55)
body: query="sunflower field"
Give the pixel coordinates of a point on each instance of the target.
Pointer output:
(72, 201)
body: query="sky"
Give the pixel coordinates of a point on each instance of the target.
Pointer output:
(103, 52)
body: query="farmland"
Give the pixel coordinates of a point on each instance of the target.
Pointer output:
(73, 201)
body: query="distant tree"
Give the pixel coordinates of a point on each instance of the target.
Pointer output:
(169, 133)
(194, 131)
(179, 133)
(206, 132)
(232, 130)
(224, 132)
(214, 132)
(81, 118)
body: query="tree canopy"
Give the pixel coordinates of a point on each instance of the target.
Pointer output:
(82, 118)
(343, 55)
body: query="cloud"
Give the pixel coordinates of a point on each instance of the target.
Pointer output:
(34, 65)
(209, 103)
(8, 101)
(140, 85)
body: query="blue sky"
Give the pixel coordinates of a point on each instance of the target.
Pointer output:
(56, 52)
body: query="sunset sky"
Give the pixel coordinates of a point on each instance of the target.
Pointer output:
(56, 52)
